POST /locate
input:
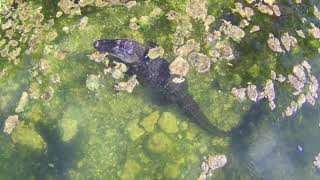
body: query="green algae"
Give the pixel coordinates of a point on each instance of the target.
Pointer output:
(134, 130)
(149, 122)
(131, 169)
(33, 139)
(159, 143)
(69, 128)
(168, 122)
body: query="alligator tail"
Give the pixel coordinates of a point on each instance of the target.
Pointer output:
(191, 108)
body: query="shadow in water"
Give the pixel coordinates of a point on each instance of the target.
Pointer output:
(62, 155)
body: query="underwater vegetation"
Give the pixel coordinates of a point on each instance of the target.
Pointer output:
(69, 112)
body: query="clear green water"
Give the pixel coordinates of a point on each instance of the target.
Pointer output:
(79, 134)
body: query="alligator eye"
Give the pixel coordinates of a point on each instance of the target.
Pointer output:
(96, 44)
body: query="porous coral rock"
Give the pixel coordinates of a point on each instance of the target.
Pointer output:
(48, 94)
(291, 109)
(316, 12)
(83, 22)
(294, 81)
(10, 123)
(83, 3)
(179, 67)
(265, 9)
(24, 99)
(69, 7)
(240, 93)
(288, 41)
(243, 23)
(190, 46)
(99, 57)
(274, 44)
(117, 71)
(254, 28)
(245, 12)
(298, 71)
(315, 31)
(306, 65)
(252, 92)
(269, 2)
(301, 100)
(276, 10)
(209, 20)
(300, 33)
(156, 52)
(131, 4)
(232, 31)
(127, 86)
(133, 24)
(270, 93)
(197, 9)
(200, 62)
(92, 82)
(212, 163)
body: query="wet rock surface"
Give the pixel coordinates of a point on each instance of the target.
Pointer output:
(10, 123)
(210, 164)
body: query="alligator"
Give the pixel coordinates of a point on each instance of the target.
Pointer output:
(155, 74)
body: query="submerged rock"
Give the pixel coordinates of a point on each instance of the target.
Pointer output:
(149, 122)
(298, 71)
(270, 93)
(130, 170)
(156, 52)
(211, 164)
(24, 99)
(300, 33)
(240, 94)
(294, 81)
(315, 31)
(168, 123)
(117, 71)
(306, 65)
(99, 57)
(134, 130)
(69, 7)
(179, 67)
(291, 109)
(48, 94)
(265, 9)
(92, 82)
(200, 62)
(316, 161)
(232, 31)
(197, 9)
(10, 123)
(274, 44)
(68, 128)
(255, 28)
(127, 86)
(301, 100)
(288, 41)
(190, 46)
(159, 143)
(252, 92)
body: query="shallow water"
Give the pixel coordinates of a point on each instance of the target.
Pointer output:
(78, 133)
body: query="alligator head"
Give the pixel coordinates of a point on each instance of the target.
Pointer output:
(128, 51)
